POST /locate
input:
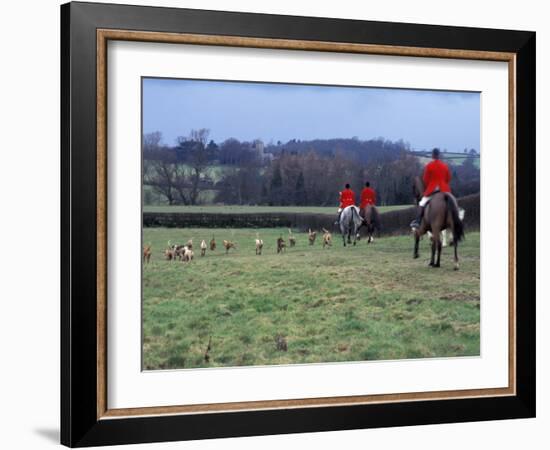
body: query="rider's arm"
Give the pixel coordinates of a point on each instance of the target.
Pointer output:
(426, 177)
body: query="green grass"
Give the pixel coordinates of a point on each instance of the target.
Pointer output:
(240, 209)
(369, 302)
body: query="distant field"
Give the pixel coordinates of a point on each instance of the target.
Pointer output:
(369, 302)
(239, 209)
(451, 158)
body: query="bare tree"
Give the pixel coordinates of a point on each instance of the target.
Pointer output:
(161, 176)
(168, 178)
(197, 157)
(162, 171)
(157, 166)
(151, 141)
(181, 184)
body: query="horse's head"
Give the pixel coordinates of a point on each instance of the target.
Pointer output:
(418, 188)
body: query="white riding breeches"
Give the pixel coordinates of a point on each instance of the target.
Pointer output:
(424, 201)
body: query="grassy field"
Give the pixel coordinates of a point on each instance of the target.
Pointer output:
(368, 302)
(240, 209)
(455, 158)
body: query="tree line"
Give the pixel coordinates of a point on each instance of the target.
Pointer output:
(197, 170)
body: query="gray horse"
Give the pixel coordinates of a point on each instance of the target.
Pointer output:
(350, 222)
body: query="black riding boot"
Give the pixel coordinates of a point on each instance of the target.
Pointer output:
(416, 222)
(338, 219)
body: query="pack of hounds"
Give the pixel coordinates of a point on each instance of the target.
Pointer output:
(185, 253)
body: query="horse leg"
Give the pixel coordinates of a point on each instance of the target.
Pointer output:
(456, 255)
(436, 246)
(344, 238)
(439, 245)
(416, 241)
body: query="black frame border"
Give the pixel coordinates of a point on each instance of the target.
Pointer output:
(79, 423)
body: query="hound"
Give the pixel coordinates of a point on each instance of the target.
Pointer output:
(228, 245)
(203, 247)
(443, 236)
(188, 254)
(259, 245)
(327, 238)
(147, 253)
(291, 238)
(446, 234)
(212, 244)
(311, 236)
(170, 252)
(175, 250)
(280, 244)
(281, 343)
(178, 251)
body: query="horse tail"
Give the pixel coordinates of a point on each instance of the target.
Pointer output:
(458, 226)
(376, 218)
(353, 214)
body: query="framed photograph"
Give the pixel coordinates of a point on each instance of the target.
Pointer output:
(277, 224)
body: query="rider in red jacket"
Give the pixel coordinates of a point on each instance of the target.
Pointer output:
(347, 198)
(436, 179)
(368, 196)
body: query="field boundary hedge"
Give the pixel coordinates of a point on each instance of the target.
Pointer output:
(392, 222)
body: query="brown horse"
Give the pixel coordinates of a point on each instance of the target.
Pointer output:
(441, 213)
(371, 220)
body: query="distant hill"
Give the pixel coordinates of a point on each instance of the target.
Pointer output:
(454, 158)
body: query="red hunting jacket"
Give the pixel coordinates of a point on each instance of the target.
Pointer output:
(436, 174)
(368, 197)
(347, 198)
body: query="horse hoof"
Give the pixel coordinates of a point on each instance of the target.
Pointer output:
(415, 256)
(435, 266)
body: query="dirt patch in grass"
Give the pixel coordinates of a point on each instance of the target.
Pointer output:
(461, 296)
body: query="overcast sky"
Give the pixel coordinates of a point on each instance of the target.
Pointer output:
(273, 112)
